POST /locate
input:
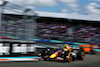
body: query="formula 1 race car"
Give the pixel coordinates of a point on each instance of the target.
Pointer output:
(60, 55)
(88, 49)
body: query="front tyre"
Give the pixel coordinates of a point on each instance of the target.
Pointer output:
(68, 56)
(69, 59)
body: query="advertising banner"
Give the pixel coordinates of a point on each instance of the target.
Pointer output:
(4, 49)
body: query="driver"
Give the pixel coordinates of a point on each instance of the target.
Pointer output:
(66, 48)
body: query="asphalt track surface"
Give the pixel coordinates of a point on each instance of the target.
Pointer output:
(90, 61)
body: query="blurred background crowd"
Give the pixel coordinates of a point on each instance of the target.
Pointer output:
(55, 30)
(80, 32)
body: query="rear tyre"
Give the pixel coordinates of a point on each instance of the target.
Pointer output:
(81, 55)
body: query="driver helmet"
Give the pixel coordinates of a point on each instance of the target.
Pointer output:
(66, 44)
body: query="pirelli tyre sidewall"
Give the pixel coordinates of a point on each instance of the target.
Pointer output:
(81, 55)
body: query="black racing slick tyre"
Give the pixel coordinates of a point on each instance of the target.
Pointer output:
(70, 58)
(81, 55)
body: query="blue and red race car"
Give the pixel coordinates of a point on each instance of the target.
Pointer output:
(60, 55)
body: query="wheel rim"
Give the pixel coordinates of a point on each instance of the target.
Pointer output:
(82, 55)
(70, 58)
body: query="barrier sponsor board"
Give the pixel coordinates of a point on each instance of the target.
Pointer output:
(16, 48)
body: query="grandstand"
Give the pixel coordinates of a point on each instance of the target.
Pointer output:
(56, 26)
(60, 26)
(69, 27)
